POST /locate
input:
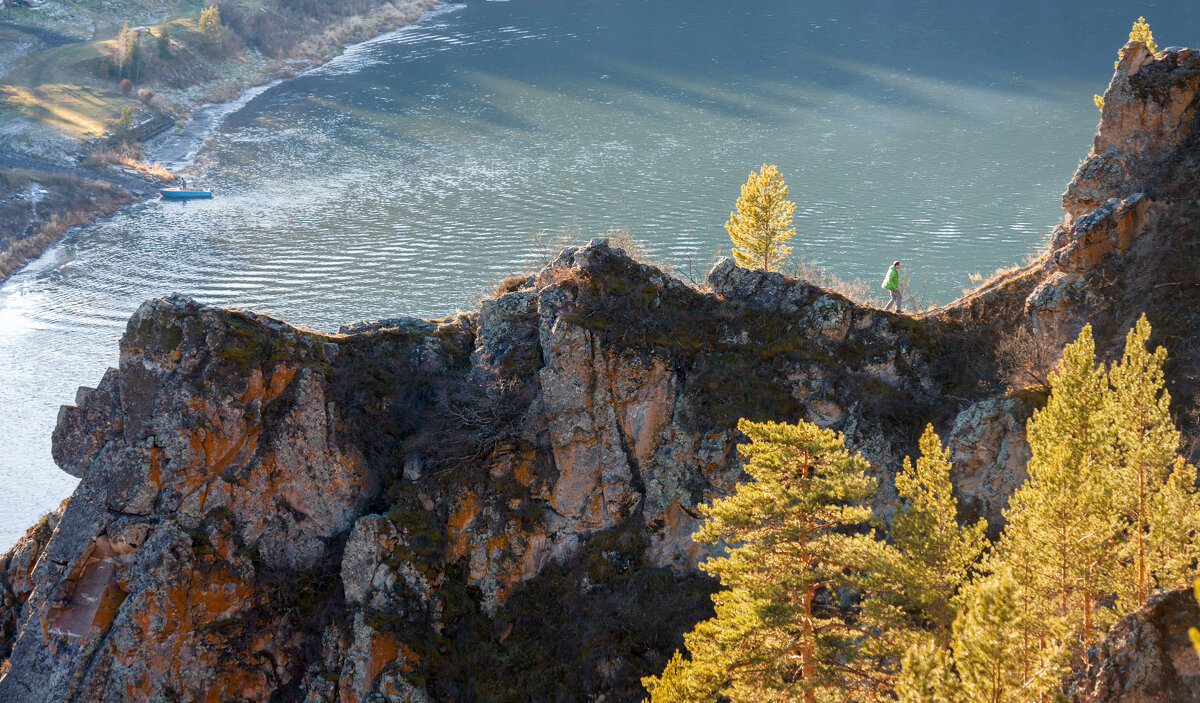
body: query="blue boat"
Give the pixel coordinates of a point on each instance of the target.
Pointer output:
(184, 193)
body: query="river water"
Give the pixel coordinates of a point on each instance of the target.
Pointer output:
(407, 175)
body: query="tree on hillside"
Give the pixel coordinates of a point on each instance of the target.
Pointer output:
(762, 222)
(134, 64)
(990, 655)
(126, 119)
(1173, 529)
(210, 24)
(927, 675)
(1139, 32)
(1062, 531)
(778, 633)
(1161, 514)
(987, 660)
(936, 553)
(124, 38)
(162, 43)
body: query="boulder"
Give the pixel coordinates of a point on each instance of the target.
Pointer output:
(1106, 231)
(988, 453)
(1147, 657)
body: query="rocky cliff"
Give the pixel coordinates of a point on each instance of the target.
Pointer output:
(1145, 658)
(498, 505)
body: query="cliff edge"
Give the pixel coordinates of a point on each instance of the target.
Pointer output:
(499, 505)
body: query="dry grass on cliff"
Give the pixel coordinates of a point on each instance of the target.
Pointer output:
(980, 282)
(916, 299)
(813, 273)
(548, 246)
(1026, 356)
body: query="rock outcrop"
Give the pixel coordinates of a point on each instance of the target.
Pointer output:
(499, 505)
(208, 473)
(988, 453)
(16, 577)
(263, 509)
(1147, 657)
(1149, 117)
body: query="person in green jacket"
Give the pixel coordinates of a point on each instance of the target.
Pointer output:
(891, 283)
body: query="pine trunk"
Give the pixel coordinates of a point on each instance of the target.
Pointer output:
(1141, 538)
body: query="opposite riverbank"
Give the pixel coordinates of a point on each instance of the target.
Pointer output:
(83, 84)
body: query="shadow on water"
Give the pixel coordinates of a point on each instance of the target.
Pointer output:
(736, 61)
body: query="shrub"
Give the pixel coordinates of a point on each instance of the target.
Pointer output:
(126, 87)
(126, 119)
(144, 94)
(811, 272)
(511, 284)
(1027, 356)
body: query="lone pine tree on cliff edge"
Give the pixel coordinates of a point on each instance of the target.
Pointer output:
(762, 222)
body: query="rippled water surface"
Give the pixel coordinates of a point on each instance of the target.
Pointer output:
(409, 173)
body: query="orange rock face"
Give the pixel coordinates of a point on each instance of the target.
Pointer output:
(218, 474)
(1149, 112)
(219, 545)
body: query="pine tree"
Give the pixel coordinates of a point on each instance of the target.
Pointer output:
(778, 633)
(990, 655)
(675, 685)
(1061, 534)
(1173, 528)
(1141, 32)
(762, 221)
(936, 554)
(927, 675)
(123, 41)
(162, 43)
(988, 660)
(126, 119)
(210, 24)
(1138, 407)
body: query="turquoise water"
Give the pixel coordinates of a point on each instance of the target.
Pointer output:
(409, 174)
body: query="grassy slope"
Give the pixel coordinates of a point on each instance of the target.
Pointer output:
(64, 91)
(56, 87)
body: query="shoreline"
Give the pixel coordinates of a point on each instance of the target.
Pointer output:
(179, 146)
(176, 148)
